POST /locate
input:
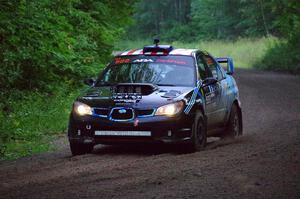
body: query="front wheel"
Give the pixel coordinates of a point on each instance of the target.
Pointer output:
(80, 149)
(199, 137)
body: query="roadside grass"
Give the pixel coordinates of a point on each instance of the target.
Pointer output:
(30, 120)
(245, 52)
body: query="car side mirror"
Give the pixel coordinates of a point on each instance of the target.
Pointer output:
(89, 81)
(209, 81)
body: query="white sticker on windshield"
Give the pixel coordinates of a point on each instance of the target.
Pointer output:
(143, 60)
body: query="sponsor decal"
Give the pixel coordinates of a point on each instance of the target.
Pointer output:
(197, 91)
(171, 61)
(119, 60)
(209, 98)
(142, 60)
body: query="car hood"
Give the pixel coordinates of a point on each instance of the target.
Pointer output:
(106, 98)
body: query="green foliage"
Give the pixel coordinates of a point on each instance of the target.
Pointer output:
(160, 19)
(229, 19)
(46, 48)
(281, 56)
(284, 55)
(46, 41)
(204, 19)
(30, 119)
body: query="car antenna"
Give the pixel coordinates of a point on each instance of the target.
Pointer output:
(156, 41)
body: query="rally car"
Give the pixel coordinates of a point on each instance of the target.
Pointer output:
(157, 94)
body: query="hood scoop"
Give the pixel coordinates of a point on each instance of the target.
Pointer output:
(137, 88)
(172, 94)
(131, 92)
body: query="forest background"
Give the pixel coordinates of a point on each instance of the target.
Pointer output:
(47, 47)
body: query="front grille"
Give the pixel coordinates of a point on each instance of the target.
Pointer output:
(101, 112)
(144, 113)
(122, 114)
(129, 114)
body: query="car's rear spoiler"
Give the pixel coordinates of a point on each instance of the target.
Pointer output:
(229, 62)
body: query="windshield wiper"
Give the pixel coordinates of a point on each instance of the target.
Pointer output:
(165, 85)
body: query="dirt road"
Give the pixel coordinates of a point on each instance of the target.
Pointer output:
(264, 163)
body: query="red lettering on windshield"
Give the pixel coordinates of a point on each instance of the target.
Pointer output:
(171, 61)
(121, 61)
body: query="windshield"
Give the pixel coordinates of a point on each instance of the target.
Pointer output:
(159, 70)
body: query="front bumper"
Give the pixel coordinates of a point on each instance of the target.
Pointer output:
(163, 129)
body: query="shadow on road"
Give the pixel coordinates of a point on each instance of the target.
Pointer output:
(158, 149)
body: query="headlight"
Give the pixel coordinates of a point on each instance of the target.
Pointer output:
(82, 109)
(170, 109)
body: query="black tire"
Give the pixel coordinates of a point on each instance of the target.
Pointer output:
(199, 133)
(234, 127)
(80, 149)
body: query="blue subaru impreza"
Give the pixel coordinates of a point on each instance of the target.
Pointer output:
(157, 94)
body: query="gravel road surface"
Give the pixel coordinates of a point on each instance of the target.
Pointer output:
(264, 163)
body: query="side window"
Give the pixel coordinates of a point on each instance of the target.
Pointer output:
(203, 69)
(222, 71)
(214, 67)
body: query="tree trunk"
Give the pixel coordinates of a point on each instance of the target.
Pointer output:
(263, 17)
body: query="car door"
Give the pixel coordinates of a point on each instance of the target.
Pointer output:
(208, 92)
(214, 104)
(219, 89)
